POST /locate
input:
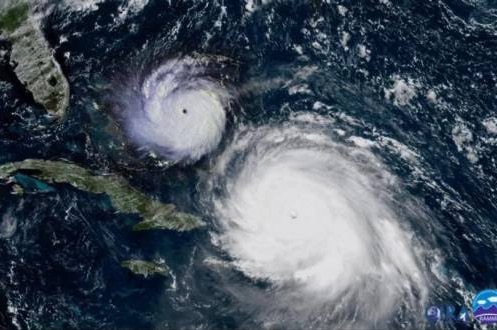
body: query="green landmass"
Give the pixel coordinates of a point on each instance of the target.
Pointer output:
(124, 197)
(188, 221)
(145, 268)
(14, 17)
(32, 58)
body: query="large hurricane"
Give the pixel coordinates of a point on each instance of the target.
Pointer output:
(317, 220)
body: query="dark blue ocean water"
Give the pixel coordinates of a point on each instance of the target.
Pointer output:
(421, 73)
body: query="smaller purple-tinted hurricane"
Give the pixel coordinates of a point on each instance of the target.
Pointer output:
(178, 112)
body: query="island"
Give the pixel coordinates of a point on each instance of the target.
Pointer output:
(124, 197)
(145, 268)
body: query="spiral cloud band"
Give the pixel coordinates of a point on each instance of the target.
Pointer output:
(312, 216)
(181, 115)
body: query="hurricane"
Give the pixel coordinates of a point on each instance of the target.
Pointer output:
(319, 221)
(177, 111)
(251, 164)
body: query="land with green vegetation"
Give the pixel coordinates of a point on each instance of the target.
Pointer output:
(124, 197)
(32, 59)
(14, 16)
(145, 268)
